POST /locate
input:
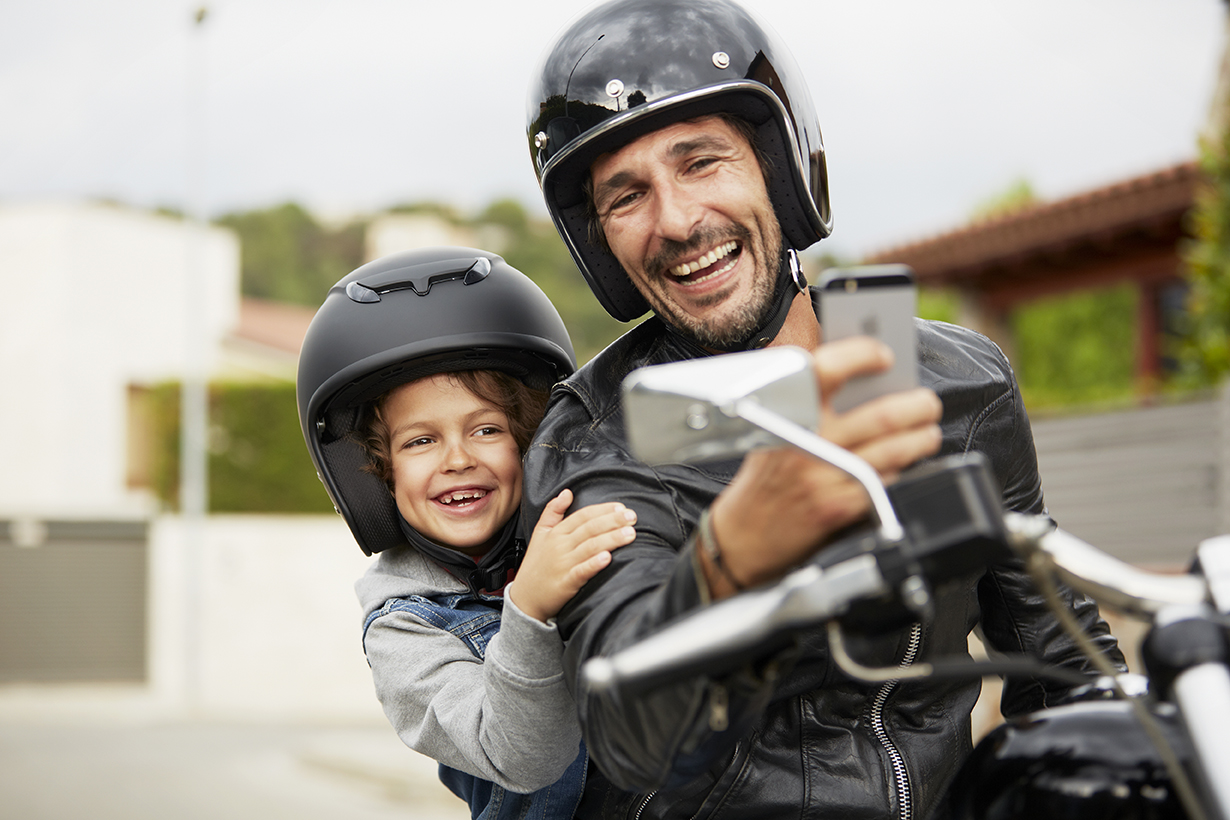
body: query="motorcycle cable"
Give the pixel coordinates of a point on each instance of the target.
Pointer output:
(1042, 568)
(1011, 667)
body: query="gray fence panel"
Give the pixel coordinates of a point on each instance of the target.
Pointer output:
(73, 601)
(1145, 485)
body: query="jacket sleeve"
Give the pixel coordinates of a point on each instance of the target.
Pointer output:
(661, 737)
(509, 718)
(1014, 616)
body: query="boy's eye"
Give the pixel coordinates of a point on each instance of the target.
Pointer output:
(489, 431)
(417, 442)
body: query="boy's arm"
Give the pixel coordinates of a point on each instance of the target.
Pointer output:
(509, 718)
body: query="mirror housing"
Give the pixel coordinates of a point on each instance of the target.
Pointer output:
(685, 411)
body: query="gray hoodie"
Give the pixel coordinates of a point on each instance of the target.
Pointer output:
(509, 718)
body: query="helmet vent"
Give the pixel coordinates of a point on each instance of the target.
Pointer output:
(358, 293)
(427, 275)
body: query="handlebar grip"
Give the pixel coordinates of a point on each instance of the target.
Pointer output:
(725, 635)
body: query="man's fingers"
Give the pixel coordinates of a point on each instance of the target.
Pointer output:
(889, 455)
(838, 362)
(883, 416)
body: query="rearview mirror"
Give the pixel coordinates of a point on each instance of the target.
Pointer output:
(724, 406)
(683, 412)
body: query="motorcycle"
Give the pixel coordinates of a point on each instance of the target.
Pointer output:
(1126, 747)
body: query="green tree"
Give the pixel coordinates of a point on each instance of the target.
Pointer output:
(257, 459)
(1078, 348)
(287, 256)
(1204, 349)
(1016, 197)
(1071, 349)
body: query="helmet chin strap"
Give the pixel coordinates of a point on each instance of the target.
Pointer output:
(491, 572)
(790, 282)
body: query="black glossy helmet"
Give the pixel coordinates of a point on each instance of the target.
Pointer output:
(397, 319)
(628, 67)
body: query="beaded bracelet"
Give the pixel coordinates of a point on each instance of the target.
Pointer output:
(707, 541)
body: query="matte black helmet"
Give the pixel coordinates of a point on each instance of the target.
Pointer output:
(628, 67)
(397, 319)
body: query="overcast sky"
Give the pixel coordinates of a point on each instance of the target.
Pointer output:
(928, 107)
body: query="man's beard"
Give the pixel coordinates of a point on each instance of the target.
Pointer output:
(747, 317)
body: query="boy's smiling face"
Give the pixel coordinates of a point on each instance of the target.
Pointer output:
(456, 466)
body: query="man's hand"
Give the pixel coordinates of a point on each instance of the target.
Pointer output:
(783, 504)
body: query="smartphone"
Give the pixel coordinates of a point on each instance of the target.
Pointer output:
(878, 301)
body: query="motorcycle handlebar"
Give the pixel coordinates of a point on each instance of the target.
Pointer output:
(719, 637)
(1086, 568)
(722, 636)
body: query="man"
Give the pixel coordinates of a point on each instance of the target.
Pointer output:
(682, 163)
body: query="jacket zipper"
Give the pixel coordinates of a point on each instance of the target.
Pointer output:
(900, 775)
(644, 802)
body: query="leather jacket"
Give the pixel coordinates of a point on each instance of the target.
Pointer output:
(802, 739)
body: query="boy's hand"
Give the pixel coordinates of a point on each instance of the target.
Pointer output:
(564, 553)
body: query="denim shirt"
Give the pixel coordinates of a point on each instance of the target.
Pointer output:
(475, 620)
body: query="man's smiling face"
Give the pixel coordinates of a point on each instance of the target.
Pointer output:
(686, 213)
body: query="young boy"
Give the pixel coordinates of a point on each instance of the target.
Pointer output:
(421, 381)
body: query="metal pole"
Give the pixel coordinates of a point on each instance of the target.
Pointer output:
(194, 400)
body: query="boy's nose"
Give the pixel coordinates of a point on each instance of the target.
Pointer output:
(458, 456)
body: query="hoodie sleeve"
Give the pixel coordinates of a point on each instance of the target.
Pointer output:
(508, 718)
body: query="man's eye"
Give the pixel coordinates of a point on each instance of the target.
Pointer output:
(624, 201)
(702, 163)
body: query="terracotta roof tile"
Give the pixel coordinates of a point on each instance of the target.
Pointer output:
(274, 324)
(1142, 204)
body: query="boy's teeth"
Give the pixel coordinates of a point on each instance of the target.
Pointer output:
(705, 261)
(462, 496)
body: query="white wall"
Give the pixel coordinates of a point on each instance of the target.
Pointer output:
(256, 619)
(94, 298)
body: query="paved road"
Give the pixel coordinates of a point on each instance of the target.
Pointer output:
(183, 770)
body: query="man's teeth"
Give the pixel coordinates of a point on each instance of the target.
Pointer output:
(464, 495)
(688, 268)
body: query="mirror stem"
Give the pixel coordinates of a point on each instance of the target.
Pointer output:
(857, 468)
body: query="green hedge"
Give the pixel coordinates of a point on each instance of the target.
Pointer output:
(257, 459)
(1078, 348)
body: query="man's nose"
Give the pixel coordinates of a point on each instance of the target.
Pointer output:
(678, 214)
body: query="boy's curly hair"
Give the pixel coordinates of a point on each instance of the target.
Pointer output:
(523, 406)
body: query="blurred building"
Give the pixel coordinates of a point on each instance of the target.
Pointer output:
(1127, 232)
(96, 303)
(1144, 483)
(98, 586)
(394, 232)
